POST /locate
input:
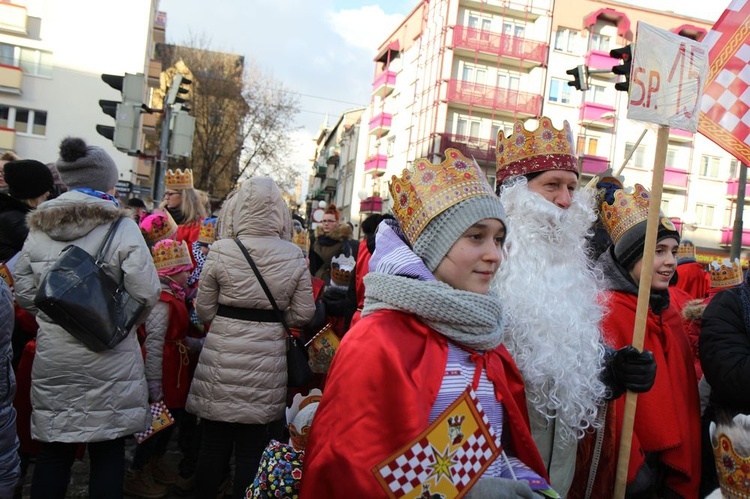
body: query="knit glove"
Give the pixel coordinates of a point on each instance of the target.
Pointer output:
(631, 370)
(155, 392)
(195, 345)
(500, 488)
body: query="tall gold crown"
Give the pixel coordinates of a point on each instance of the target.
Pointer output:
(421, 195)
(627, 211)
(725, 274)
(207, 234)
(169, 253)
(529, 151)
(686, 250)
(158, 226)
(732, 467)
(179, 180)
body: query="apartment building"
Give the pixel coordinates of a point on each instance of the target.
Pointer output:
(52, 55)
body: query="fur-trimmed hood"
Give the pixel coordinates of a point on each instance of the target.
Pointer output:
(73, 215)
(693, 310)
(341, 232)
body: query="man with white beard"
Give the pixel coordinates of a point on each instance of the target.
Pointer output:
(549, 290)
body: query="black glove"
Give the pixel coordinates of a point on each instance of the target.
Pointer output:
(631, 370)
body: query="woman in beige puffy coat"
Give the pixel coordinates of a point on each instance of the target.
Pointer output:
(239, 388)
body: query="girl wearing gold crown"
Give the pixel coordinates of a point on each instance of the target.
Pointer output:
(665, 452)
(184, 203)
(431, 327)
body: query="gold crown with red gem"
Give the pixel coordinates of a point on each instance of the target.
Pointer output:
(725, 274)
(207, 234)
(179, 180)
(732, 456)
(627, 211)
(427, 191)
(169, 253)
(529, 151)
(158, 226)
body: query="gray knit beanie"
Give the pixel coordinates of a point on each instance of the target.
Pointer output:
(86, 166)
(629, 248)
(442, 232)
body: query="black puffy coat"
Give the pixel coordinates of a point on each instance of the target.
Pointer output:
(725, 352)
(13, 228)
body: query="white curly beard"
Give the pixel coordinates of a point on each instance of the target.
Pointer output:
(549, 291)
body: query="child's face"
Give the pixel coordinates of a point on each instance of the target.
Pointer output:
(665, 265)
(474, 259)
(181, 278)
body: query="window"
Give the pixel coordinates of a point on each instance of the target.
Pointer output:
(508, 80)
(709, 166)
(665, 207)
(637, 160)
(671, 157)
(565, 40)
(733, 168)
(705, 214)
(587, 145)
(389, 145)
(480, 27)
(467, 129)
(559, 91)
(473, 74)
(24, 121)
(507, 129)
(33, 62)
(600, 42)
(597, 94)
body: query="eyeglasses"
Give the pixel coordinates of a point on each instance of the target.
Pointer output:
(169, 194)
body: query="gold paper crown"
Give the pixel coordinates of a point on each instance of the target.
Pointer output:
(627, 211)
(5, 275)
(341, 269)
(529, 151)
(158, 226)
(686, 250)
(207, 234)
(179, 180)
(302, 239)
(298, 436)
(725, 274)
(429, 190)
(732, 467)
(169, 253)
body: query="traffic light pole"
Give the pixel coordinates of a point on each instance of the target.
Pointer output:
(160, 168)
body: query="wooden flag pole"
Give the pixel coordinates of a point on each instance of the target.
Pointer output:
(641, 313)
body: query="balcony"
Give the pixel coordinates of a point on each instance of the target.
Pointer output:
(13, 18)
(489, 45)
(726, 236)
(320, 170)
(380, 124)
(148, 123)
(675, 178)
(733, 186)
(597, 115)
(330, 184)
(593, 165)
(373, 204)
(154, 73)
(677, 135)
(598, 59)
(158, 30)
(464, 94)
(376, 164)
(677, 222)
(480, 149)
(7, 139)
(11, 78)
(384, 84)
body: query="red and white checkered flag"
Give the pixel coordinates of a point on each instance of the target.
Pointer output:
(725, 108)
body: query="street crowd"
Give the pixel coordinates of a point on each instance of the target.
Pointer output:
(475, 343)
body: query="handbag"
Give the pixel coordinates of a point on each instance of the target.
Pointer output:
(79, 296)
(298, 369)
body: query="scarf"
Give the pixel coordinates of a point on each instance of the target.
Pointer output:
(178, 291)
(98, 194)
(177, 215)
(399, 280)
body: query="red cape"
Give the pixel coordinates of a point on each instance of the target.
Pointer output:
(381, 387)
(692, 278)
(667, 418)
(363, 267)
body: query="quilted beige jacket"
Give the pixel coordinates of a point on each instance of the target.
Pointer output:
(241, 373)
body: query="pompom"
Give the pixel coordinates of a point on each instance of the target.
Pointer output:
(72, 149)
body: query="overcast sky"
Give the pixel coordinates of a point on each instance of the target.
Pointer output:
(322, 50)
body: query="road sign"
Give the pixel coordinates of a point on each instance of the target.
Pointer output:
(667, 78)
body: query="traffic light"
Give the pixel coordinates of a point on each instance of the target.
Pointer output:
(176, 90)
(125, 134)
(580, 76)
(626, 54)
(181, 140)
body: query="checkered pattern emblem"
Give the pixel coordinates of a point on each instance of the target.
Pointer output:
(447, 458)
(725, 108)
(160, 418)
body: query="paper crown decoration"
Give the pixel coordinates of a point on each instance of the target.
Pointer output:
(342, 267)
(207, 234)
(299, 417)
(158, 226)
(179, 180)
(686, 250)
(421, 195)
(732, 457)
(169, 253)
(301, 238)
(5, 275)
(725, 274)
(627, 211)
(529, 151)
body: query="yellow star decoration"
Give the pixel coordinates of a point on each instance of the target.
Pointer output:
(442, 465)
